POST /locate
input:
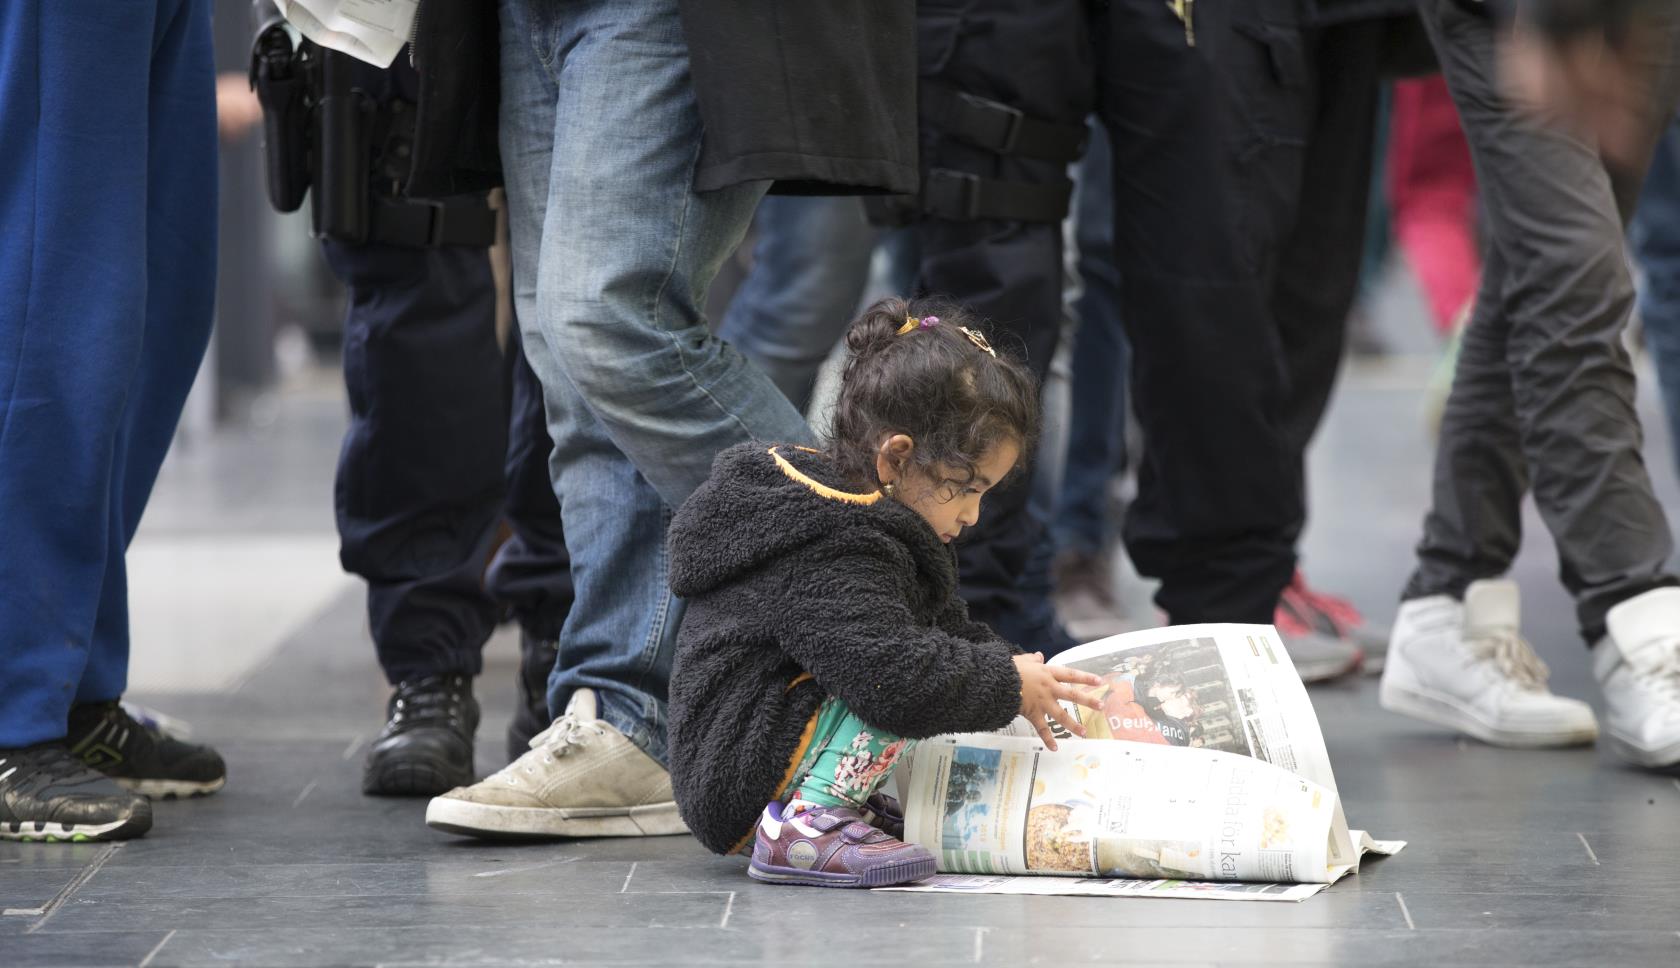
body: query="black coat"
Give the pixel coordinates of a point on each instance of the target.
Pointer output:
(819, 97)
(796, 592)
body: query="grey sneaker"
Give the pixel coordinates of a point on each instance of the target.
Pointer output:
(1320, 658)
(580, 778)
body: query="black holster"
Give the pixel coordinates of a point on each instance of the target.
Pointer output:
(279, 75)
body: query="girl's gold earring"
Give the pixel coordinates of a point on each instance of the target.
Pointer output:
(889, 490)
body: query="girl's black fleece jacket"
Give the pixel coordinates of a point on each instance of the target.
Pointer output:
(799, 590)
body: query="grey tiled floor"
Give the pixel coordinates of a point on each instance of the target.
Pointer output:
(1516, 858)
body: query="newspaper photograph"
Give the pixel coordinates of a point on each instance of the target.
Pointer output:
(1205, 765)
(1222, 687)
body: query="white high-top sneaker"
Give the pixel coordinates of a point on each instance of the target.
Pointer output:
(581, 778)
(1638, 667)
(1466, 666)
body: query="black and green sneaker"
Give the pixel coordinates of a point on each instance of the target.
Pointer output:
(141, 757)
(47, 794)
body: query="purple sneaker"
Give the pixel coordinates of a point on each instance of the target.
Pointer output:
(832, 847)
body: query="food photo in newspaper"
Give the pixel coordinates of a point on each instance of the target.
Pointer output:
(1203, 775)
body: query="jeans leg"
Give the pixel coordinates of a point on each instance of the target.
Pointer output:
(619, 634)
(420, 481)
(1655, 234)
(106, 290)
(629, 248)
(1553, 213)
(810, 266)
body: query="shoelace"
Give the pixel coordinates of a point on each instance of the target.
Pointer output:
(1664, 675)
(1514, 656)
(429, 699)
(557, 740)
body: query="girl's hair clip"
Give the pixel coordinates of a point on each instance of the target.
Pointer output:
(911, 323)
(979, 339)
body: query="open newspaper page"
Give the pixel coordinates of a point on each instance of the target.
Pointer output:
(369, 30)
(1221, 687)
(1205, 765)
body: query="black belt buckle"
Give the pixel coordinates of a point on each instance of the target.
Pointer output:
(435, 223)
(952, 194)
(987, 110)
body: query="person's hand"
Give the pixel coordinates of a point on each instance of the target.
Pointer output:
(1042, 686)
(237, 107)
(1604, 91)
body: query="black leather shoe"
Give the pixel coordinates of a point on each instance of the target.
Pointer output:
(536, 660)
(47, 794)
(426, 747)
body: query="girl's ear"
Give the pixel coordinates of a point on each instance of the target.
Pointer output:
(892, 457)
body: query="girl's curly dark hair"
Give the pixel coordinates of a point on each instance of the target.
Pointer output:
(936, 385)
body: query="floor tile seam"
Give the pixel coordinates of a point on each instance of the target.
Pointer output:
(1362, 931)
(75, 884)
(445, 895)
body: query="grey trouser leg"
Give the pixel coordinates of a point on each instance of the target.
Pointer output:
(1544, 392)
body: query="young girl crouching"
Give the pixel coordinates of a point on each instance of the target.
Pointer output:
(824, 633)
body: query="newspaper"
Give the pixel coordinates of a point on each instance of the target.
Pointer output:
(1204, 774)
(370, 30)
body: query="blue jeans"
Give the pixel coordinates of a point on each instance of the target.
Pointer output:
(810, 268)
(612, 254)
(107, 287)
(1096, 447)
(1655, 234)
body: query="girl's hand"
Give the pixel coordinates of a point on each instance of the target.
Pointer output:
(1042, 686)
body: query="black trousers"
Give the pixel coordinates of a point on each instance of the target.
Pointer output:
(1242, 164)
(1034, 56)
(446, 440)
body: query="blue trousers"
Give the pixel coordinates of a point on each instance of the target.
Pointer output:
(107, 286)
(1096, 448)
(431, 464)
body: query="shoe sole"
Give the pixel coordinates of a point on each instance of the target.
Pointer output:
(1442, 711)
(171, 789)
(526, 823)
(1315, 672)
(887, 875)
(411, 780)
(53, 833)
(1657, 759)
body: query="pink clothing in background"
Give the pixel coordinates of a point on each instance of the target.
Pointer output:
(1432, 196)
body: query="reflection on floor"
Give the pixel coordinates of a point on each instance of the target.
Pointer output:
(1516, 858)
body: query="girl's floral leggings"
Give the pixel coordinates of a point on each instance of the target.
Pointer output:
(846, 761)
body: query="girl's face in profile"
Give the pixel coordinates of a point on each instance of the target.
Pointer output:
(946, 501)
